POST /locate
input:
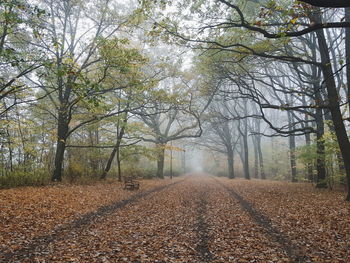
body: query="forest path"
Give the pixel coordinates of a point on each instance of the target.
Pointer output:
(196, 218)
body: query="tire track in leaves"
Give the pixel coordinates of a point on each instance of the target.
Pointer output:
(202, 229)
(63, 232)
(159, 228)
(292, 251)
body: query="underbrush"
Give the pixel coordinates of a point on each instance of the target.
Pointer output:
(76, 174)
(137, 172)
(175, 173)
(24, 178)
(221, 174)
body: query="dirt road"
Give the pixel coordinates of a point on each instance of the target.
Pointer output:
(196, 218)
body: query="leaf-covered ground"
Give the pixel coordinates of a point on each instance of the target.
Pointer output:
(195, 218)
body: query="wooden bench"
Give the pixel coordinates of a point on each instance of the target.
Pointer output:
(131, 184)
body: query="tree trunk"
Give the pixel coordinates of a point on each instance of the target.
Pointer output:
(320, 148)
(59, 156)
(261, 159)
(256, 157)
(109, 162)
(293, 163)
(328, 3)
(309, 173)
(62, 133)
(320, 151)
(119, 165)
(184, 161)
(319, 120)
(98, 157)
(160, 160)
(339, 160)
(230, 163)
(292, 150)
(91, 155)
(22, 138)
(333, 100)
(9, 143)
(241, 151)
(347, 53)
(171, 160)
(115, 151)
(94, 158)
(246, 155)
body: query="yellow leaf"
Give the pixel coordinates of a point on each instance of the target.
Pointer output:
(294, 20)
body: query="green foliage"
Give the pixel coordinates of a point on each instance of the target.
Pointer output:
(335, 176)
(276, 162)
(25, 178)
(19, 20)
(120, 57)
(136, 172)
(75, 171)
(133, 153)
(308, 155)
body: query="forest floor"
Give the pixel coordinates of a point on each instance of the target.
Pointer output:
(193, 218)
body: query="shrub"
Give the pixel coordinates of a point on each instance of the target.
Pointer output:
(137, 172)
(175, 173)
(222, 174)
(22, 178)
(77, 172)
